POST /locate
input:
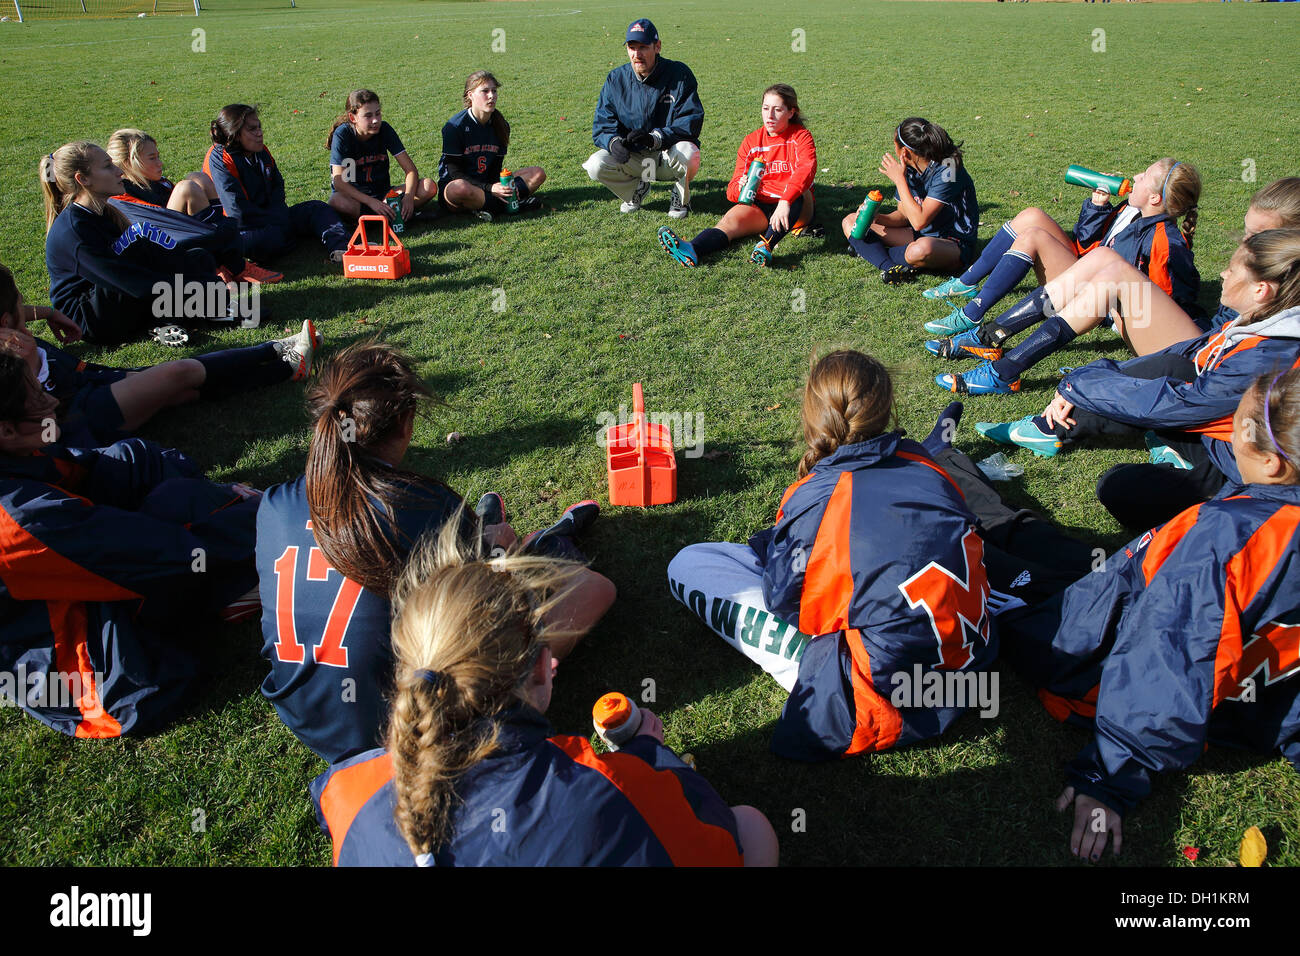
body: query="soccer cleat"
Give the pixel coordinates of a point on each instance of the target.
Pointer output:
(173, 335)
(634, 203)
(897, 275)
(964, 345)
(1162, 454)
(576, 519)
(954, 290)
(762, 255)
(491, 509)
(811, 230)
(981, 380)
(954, 323)
(1023, 433)
(680, 206)
(679, 249)
(297, 350)
(243, 608)
(258, 276)
(531, 204)
(336, 256)
(482, 215)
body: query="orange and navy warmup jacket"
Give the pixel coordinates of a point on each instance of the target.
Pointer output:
(209, 230)
(250, 186)
(540, 800)
(1153, 244)
(1189, 634)
(875, 554)
(1227, 362)
(106, 555)
(791, 160)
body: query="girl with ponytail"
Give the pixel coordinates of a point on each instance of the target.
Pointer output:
(864, 582)
(331, 543)
(1184, 637)
(473, 774)
(103, 271)
(937, 220)
(359, 144)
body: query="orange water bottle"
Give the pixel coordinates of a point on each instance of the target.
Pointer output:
(616, 719)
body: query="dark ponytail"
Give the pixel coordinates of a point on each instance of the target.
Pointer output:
(229, 124)
(927, 140)
(356, 99)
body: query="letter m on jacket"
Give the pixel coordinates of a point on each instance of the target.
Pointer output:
(1275, 650)
(955, 603)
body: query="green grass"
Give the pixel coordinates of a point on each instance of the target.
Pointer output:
(591, 306)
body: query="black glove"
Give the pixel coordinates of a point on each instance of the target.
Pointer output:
(640, 142)
(618, 150)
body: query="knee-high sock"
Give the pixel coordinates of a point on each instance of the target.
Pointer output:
(1006, 275)
(1029, 311)
(521, 188)
(237, 370)
(1046, 339)
(772, 236)
(709, 241)
(995, 250)
(878, 254)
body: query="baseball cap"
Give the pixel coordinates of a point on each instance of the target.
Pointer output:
(641, 31)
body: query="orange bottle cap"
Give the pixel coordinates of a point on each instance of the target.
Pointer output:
(875, 195)
(611, 710)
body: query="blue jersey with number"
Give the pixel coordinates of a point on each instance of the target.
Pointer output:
(470, 149)
(327, 637)
(365, 161)
(948, 182)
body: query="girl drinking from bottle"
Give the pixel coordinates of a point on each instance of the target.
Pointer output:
(474, 144)
(359, 144)
(252, 191)
(468, 745)
(874, 569)
(1143, 231)
(937, 219)
(783, 198)
(136, 154)
(1185, 637)
(331, 543)
(103, 271)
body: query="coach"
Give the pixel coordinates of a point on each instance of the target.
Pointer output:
(647, 125)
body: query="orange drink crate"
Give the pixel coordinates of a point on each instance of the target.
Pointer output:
(364, 261)
(640, 461)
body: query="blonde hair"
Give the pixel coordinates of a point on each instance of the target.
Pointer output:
(1274, 256)
(849, 398)
(1180, 192)
(124, 148)
(1282, 196)
(466, 635)
(59, 186)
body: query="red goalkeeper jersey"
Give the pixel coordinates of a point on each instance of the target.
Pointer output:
(791, 160)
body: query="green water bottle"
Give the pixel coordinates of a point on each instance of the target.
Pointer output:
(1083, 176)
(394, 200)
(508, 180)
(749, 188)
(866, 213)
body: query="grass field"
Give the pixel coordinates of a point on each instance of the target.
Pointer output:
(591, 305)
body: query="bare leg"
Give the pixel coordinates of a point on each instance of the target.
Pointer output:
(1051, 258)
(756, 836)
(931, 253)
(188, 197)
(741, 221)
(580, 608)
(462, 195)
(345, 206)
(534, 176)
(1150, 319)
(143, 394)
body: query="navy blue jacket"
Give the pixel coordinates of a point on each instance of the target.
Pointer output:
(875, 554)
(667, 101)
(540, 800)
(1189, 634)
(250, 186)
(98, 577)
(1152, 244)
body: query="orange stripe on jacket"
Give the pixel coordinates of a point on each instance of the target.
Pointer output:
(1158, 267)
(877, 723)
(1166, 539)
(780, 511)
(828, 578)
(1246, 573)
(347, 792)
(932, 464)
(72, 656)
(1061, 708)
(33, 572)
(229, 162)
(658, 797)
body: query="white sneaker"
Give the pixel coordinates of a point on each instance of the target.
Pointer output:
(635, 203)
(680, 207)
(297, 350)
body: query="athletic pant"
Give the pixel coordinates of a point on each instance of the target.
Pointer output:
(679, 163)
(312, 218)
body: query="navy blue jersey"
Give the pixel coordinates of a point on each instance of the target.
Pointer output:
(158, 193)
(326, 636)
(366, 160)
(540, 800)
(950, 184)
(471, 150)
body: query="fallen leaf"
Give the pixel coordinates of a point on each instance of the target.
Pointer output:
(323, 93)
(979, 117)
(1191, 852)
(546, 335)
(564, 117)
(689, 760)
(1254, 848)
(772, 408)
(1015, 192)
